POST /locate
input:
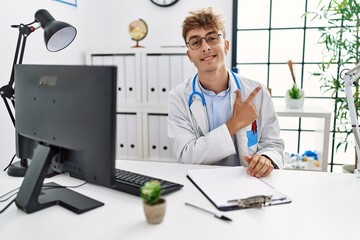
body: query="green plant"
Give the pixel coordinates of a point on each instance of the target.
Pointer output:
(151, 192)
(295, 92)
(341, 42)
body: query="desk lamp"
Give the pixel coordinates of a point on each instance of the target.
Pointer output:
(350, 79)
(57, 35)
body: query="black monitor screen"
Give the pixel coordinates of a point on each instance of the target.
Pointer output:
(68, 113)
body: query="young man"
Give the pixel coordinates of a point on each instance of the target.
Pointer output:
(218, 117)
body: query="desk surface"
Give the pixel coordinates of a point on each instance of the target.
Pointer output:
(325, 206)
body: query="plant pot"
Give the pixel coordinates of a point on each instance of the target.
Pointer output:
(294, 103)
(155, 213)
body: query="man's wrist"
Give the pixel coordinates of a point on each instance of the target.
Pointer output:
(272, 162)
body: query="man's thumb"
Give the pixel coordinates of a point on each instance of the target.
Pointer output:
(247, 158)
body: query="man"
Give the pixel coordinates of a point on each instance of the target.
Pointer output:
(218, 117)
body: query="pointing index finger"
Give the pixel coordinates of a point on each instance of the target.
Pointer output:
(253, 93)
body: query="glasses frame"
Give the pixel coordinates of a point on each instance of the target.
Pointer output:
(205, 38)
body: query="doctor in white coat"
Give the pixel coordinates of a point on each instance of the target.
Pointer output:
(219, 117)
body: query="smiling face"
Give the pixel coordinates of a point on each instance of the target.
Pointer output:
(208, 58)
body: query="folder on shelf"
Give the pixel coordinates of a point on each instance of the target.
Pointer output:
(130, 78)
(121, 82)
(230, 188)
(154, 139)
(164, 77)
(176, 70)
(97, 60)
(131, 135)
(121, 136)
(164, 141)
(152, 78)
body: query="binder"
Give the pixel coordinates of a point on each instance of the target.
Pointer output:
(154, 138)
(176, 74)
(132, 135)
(108, 60)
(97, 60)
(121, 84)
(121, 136)
(164, 77)
(231, 188)
(152, 78)
(130, 78)
(164, 141)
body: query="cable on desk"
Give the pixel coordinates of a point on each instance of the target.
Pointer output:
(3, 199)
(3, 210)
(8, 193)
(11, 161)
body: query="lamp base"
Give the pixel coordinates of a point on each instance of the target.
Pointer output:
(17, 169)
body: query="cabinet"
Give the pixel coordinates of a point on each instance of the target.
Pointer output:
(317, 128)
(144, 77)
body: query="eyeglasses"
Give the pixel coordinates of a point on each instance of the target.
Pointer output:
(211, 39)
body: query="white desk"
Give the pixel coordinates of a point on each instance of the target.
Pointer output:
(325, 206)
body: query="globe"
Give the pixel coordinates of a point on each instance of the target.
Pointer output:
(138, 30)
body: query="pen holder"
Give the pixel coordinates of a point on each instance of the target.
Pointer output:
(155, 213)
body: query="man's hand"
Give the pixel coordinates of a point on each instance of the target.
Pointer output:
(259, 166)
(244, 112)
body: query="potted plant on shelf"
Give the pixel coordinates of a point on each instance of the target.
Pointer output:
(154, 204)
(341, 42)
(294, 97)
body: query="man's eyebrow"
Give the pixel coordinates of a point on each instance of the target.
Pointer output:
(198, 36)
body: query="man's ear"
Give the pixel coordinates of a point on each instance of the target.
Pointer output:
(189, 56)
(226, 46)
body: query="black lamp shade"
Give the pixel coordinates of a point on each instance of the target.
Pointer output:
(57, 35)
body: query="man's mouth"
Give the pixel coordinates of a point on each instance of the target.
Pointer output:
(208, 58)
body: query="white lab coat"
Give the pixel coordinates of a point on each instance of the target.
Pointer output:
(191, 141)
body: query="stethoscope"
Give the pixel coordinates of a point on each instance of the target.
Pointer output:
(194, 92)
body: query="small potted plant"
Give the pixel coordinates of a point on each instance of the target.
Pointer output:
(294, 96)
(154, 204)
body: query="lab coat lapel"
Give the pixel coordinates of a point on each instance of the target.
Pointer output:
(240, 136)
(200, 116)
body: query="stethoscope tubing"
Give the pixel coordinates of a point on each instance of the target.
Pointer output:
(194, 92)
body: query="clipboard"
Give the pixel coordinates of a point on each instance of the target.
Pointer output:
(231, 188)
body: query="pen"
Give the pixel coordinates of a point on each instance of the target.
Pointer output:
(222, 217)
(254, 127)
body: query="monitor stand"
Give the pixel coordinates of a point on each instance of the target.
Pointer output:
(33, 196)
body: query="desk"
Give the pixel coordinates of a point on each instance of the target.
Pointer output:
(325, 206)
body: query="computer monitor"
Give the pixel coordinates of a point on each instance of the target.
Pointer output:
(66, 120)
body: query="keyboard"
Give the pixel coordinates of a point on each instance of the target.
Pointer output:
(130, 182)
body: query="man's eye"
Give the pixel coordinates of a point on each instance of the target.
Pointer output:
(211, 39)
(195, 42)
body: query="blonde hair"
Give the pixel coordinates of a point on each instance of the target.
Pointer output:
(203, 18)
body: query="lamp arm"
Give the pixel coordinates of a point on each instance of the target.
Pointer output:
(7, 92)
(24, 32)
(350, 80)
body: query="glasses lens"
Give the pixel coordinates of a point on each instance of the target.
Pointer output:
(195, 43)
(212, 39)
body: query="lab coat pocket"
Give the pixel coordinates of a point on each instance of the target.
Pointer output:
(252, 138)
